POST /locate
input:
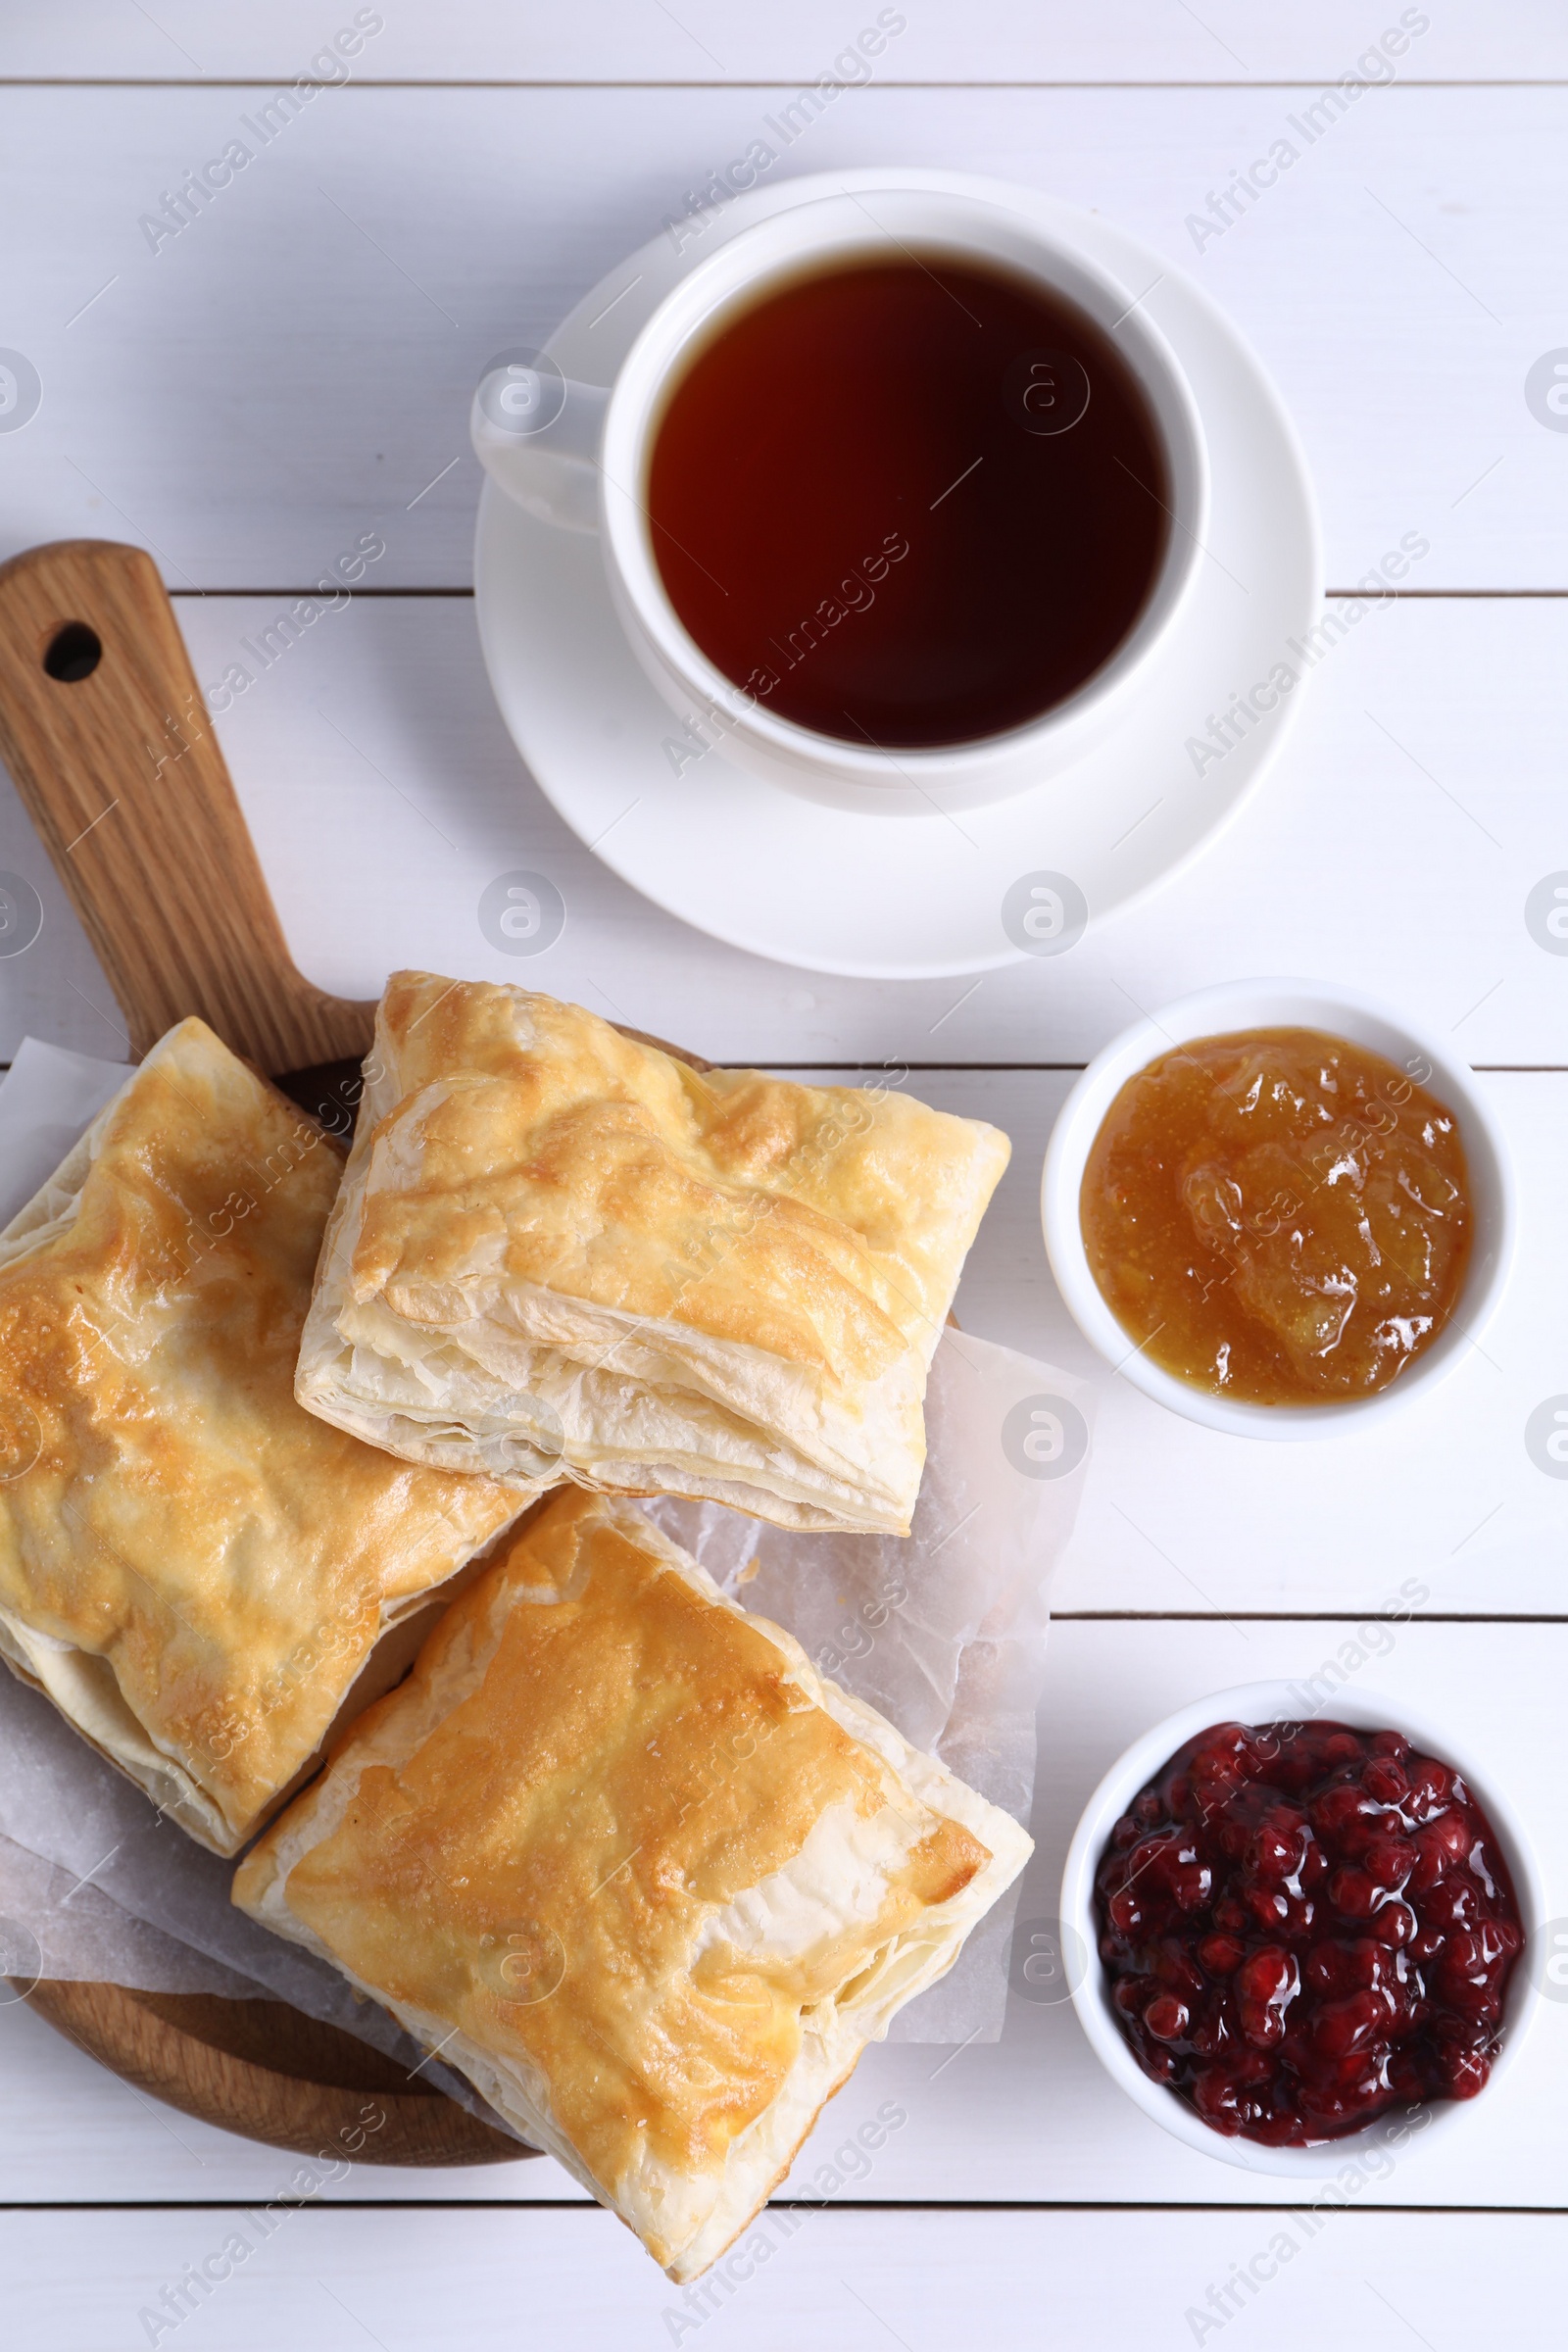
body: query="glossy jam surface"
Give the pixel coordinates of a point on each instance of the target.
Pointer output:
(1279, 1216)
(1305, 1925)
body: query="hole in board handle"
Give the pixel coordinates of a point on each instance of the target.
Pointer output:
(74, 653)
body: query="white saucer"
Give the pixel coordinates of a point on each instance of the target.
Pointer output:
(905, 897)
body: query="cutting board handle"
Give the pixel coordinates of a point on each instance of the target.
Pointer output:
(111, 745)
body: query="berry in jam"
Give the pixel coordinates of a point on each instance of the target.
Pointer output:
(1305, 1925)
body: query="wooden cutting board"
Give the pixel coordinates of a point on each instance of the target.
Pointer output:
(109, 741)
(110, 746)
(262, 2068)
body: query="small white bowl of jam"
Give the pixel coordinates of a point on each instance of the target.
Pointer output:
(1303, 1943)
(1276, 1209)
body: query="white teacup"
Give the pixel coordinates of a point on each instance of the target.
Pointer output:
(577, 456)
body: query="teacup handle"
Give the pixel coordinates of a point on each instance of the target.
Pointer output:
(537, 436)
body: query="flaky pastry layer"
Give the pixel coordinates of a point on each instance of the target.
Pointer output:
(194, 1570)
(559, 1251)
(648, 1880)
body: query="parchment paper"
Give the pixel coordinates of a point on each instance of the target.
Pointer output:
(943, 1632)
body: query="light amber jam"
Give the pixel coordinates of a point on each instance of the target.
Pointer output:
(1279, 1217)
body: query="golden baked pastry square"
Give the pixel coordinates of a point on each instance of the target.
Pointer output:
(559, 1251)
(619, 1853)
(192, 1568)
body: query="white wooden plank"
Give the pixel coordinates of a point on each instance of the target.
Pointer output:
(1127, 40)
(1393, 847)
(293, 369)
(1034, 2116)
(843, 2282)
(395, 851)
(1176, 1518)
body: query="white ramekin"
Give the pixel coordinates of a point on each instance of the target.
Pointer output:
(1280, 1702)
(1240, 1004)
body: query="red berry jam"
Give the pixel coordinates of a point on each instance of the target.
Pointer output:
(1305, 1925)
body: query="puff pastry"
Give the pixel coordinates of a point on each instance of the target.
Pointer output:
(194, 1570)
(633, 1866)
(561, 1251)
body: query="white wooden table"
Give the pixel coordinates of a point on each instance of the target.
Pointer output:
(292, 371)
